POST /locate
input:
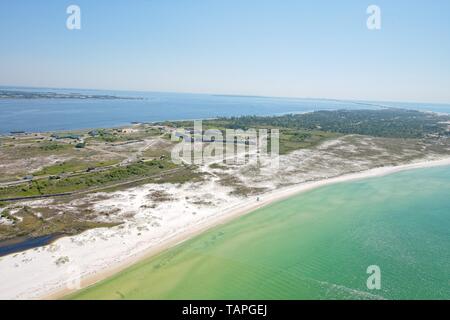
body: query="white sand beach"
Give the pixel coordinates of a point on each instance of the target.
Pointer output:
(78, 261)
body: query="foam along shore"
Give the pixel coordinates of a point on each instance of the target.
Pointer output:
(75, 262)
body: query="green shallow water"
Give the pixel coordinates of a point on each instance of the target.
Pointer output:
(316, 245)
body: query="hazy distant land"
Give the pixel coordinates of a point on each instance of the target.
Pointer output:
(13, 94)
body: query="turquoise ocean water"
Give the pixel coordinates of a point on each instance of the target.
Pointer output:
(316, 245)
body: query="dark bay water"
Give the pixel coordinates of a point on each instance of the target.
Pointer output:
(25, 243)
(33, 115)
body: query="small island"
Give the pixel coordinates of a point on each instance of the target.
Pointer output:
(14, 94)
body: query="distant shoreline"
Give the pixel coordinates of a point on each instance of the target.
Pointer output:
(132, 123)
(30, 95)
(232, 213)
(72, 113)
(140, 92)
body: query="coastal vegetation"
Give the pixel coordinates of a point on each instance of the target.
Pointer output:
(298, 131)
(55, 185)
(388, 123)
(36, 222)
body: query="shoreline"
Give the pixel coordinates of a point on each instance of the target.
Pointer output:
(229, 214)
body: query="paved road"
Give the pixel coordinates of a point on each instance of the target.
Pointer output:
(129, 160)
(91, 190)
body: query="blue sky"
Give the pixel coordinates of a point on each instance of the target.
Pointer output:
(292, 48)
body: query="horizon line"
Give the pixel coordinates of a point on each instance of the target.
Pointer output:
(352, 100)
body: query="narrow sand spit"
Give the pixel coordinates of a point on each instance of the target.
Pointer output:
(73, 262)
